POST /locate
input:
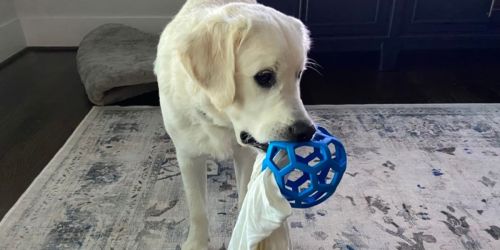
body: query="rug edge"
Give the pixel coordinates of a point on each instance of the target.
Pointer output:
(38, 179)
(339, 106)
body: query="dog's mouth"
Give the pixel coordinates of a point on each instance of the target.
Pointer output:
(247, 139)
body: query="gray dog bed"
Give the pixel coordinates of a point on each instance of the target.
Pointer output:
(115, 62)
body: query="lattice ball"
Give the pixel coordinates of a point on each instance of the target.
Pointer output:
(307, 173)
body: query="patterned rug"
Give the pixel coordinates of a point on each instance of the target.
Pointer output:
(419, 177)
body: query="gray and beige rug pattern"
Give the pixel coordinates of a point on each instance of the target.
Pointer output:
(419, 177)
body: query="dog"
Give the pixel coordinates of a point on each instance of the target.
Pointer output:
(228, 74)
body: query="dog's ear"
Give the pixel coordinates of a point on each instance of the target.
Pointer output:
(208, 55)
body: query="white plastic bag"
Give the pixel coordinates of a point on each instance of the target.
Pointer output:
(261, 224)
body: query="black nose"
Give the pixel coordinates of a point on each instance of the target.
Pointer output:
(302, 131)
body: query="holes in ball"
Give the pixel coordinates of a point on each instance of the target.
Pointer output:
(333, 150)
(318, 137)
(314, 162)
(304, 186)
(295, 175)
(308, 155)
(297, 181)
(281, 159)
(326, 176)
(317, 195)
(304, 151)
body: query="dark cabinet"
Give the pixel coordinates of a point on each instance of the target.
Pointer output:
(445, 16)
(394, 25)
(450, 11)
(289, 7)
(343, 18)
(495, 11)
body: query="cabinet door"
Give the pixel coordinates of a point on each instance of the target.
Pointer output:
(289, 7)
(332, 18)
(495, 12)
(447, 16)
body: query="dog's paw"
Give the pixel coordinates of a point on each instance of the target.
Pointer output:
(195, 245)
(197, 238)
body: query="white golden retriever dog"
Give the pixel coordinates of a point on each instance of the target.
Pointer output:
(228, 75)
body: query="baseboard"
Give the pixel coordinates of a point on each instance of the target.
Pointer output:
(13, 57)
(52, 48)
(11, 39)
(69, 31)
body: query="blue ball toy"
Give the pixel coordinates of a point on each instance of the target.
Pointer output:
(307, 173)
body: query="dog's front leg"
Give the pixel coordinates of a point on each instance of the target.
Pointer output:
(244, 159)
(194, 178)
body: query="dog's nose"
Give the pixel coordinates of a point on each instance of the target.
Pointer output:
(302, 131)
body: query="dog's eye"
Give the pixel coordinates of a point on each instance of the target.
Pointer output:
(265, 78)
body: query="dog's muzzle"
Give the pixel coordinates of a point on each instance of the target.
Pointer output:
(248, 139)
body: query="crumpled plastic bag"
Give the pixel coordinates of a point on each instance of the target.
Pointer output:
(262, 224)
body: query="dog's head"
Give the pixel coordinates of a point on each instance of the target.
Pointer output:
(248, 59)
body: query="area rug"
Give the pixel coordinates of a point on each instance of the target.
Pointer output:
(419, 177)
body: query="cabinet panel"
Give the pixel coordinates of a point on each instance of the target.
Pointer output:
(289, 7)
(447, 17)
(495, 12)
(347, 18)
(451, 11)
(341, 12)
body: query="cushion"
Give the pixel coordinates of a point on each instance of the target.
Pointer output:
(115, 62)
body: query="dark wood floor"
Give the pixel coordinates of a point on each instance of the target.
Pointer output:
(41, 103)
(422, 77)
(42, 99)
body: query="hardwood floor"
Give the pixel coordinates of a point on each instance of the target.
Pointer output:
(41, 103)
(422, 77)
(42, 99)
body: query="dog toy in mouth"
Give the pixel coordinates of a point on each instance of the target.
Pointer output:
(307, 173)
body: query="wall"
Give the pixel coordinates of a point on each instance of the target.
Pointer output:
(65, 22)
(11, 34)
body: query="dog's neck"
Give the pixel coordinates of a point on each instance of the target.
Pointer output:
(207, 112)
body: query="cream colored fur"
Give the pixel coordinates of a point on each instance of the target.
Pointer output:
(206, 62)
